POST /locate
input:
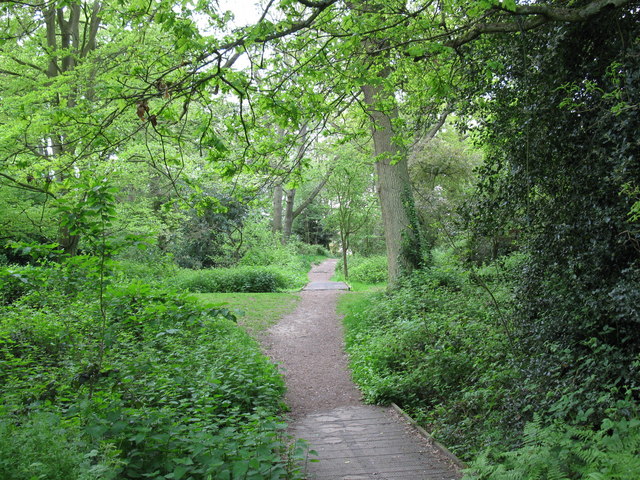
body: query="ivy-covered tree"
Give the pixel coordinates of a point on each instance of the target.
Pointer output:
(560, 122)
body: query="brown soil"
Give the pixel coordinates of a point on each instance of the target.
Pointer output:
(308, 346)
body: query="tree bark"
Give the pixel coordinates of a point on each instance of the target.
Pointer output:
(288, 215)
(394, 187)
(276, 225)
(75, 49)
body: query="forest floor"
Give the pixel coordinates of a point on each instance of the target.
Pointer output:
(353, 441)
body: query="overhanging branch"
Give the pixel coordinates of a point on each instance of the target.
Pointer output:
(539, 15)
(25, 186)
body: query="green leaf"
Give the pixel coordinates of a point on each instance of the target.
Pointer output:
(179, 472)
(509, 5)
(416, 51)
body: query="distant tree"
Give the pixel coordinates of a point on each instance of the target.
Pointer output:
(351, 195)
(442, 177)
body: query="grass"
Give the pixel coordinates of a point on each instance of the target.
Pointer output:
(255, 311)
(353, 301)
(356, 286)
(365, 287)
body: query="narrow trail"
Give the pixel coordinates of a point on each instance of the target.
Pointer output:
(353, 441)
(308, 345)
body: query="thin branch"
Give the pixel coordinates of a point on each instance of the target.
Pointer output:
(27, 64)
(18, 184)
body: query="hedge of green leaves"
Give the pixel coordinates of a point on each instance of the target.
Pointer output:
(239, 279)
(139, 383)
(370, 270)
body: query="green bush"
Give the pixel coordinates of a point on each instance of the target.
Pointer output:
(45, 446)
(75, 275)
(369, 270)
(268, 255)
(438, 347)
(16, 281)
(239, 279)
(151, 268)
(443, 345)
(311, 250)
(141, 383)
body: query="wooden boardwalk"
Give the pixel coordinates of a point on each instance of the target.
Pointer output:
(353, 441)
(367, 443)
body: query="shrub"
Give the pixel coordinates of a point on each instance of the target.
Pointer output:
(444, 347)
(15, 282)
(157, 386)
(365, 269)
(239, 279)
(370, 270)
(311, 250)
(437, 346)
(45, 446)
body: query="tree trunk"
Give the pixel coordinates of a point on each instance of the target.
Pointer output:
(74, 49)
(68, 242)
(276, 225)
(345, 247)
(288, 215)
(394, 187)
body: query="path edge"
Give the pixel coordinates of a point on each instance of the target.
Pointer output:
(444, 450)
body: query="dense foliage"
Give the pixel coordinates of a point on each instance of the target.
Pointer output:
(443, 346)
(559, 130)
(437, 347)
(133, 382)
(535, 360)
(131, 124)
(239, 279)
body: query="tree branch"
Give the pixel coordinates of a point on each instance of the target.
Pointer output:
(26, 186)
(541, 14)
(437, 126)
(313, 195)
(27, 64)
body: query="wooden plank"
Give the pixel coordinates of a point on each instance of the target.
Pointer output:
(367, 442)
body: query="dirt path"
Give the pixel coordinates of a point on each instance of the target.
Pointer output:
(354, 441)
(308, 345)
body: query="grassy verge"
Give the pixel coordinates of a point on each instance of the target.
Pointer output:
(352, 303)
(255, 311)
(362, 287)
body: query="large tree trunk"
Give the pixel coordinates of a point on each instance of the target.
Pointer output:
(394, 187)
(64, 23)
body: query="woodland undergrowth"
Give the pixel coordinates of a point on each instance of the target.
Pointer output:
(105, 376)
(445, 347)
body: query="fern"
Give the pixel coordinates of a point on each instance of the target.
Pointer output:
(564, 452)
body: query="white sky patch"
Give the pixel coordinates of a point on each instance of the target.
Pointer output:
(245, 12)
